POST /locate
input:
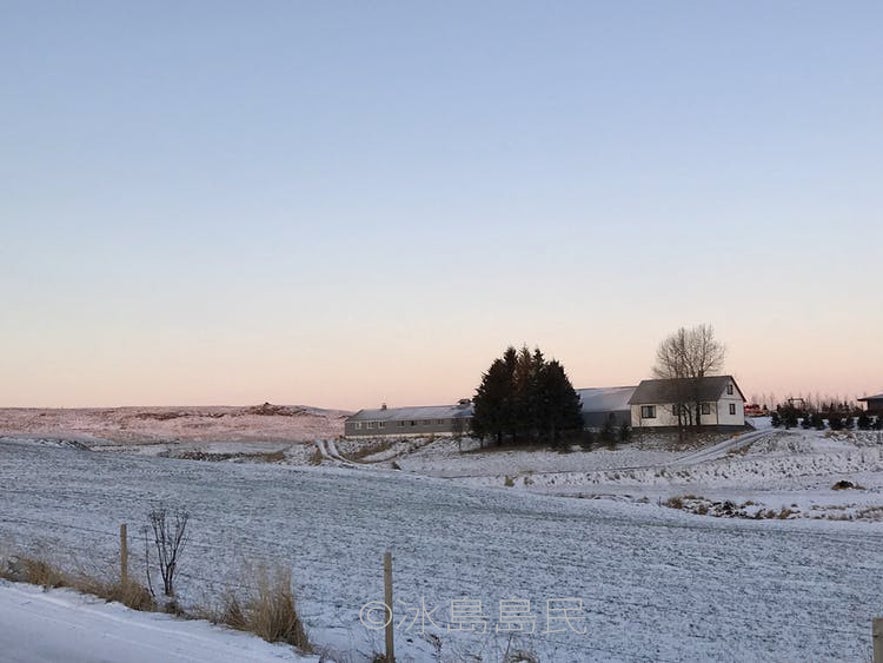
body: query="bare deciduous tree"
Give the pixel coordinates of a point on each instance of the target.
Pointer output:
(686, 356)
(689, 353)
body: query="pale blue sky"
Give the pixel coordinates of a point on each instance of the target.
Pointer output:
(342, 203)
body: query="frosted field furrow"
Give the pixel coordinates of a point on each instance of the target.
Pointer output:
(657, 585)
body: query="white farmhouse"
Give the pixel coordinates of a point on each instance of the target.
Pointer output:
(717, 401)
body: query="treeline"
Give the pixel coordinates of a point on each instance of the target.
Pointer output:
(833, 415)
(524, 399)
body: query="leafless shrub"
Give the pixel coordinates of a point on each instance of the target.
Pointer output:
(169, 538)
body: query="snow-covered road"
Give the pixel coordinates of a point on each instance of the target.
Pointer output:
(62, 626)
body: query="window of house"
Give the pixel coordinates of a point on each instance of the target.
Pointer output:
(413, 423)
(730, 389)
(382, 424)
(401, 423)
(358, 425)
(732, 408)
(648, 412)
(706, 408)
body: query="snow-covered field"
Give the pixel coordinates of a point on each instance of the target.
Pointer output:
(654, 584)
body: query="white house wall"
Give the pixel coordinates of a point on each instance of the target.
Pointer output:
(719, 415)
(723, 410)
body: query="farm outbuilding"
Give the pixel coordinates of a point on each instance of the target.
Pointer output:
(873, 404)
(602, 403)
(402, 421)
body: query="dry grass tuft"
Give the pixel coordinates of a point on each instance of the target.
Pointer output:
(370, 448)
(41, 572)
(315, 458)
(269, 612)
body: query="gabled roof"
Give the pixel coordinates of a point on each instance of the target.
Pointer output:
(878, 397)
(414, 413)
(682, 389)
(605, 399)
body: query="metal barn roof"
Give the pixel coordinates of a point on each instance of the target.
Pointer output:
(605, 399)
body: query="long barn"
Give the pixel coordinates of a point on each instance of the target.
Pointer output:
(420, 420)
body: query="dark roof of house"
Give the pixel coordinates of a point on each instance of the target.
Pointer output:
(459, 411)
(682, 389)
(877, 397)
(605, 399)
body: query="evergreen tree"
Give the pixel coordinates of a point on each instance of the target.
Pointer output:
(526, 398)
(818, 421)
(558, 405)
(625, 432)
(849, 422)
(775, 419)
(864, 421)
(587, 440)
(878, 423)
(492, 403)
(789, 416)
(608, 433)
(834, 421)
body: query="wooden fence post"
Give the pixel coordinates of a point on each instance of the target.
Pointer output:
(387, 599)
(877, 639)
(124, 555)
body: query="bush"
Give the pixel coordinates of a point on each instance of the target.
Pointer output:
(835, 422)
(775, 419)
(608, 434)
(789, 417)
(864, 421)
(170, 538)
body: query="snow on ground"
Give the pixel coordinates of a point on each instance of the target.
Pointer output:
(655, 584)
(61, 625)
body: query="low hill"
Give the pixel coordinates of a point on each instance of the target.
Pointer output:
(265, 422)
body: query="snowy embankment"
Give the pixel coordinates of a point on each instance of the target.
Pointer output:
(61, 625)
(655, 585)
